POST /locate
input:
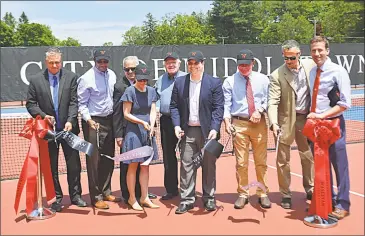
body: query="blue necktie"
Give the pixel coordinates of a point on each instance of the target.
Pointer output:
(55, 101)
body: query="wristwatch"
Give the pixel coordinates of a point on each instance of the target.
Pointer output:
(261, 110)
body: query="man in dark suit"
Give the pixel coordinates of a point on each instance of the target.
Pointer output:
(197, 113)
(52, 94)
(129, 65)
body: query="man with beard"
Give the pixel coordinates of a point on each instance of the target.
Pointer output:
(164, 87)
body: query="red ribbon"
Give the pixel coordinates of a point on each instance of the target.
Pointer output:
(35, 130)
(322, 133)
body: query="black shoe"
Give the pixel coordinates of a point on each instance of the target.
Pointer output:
(210, 205)
(169, 196)
(309, 196)
(56, 207)
(286, 203)
(79, 202)
(183, 208)
(152, 196)
(265, 202)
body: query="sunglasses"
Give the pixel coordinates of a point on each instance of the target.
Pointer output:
(103, 61)
(143, 80)
(129, 69)
(290, 58)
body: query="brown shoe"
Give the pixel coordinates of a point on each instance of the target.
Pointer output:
(101, 205)
(340, 213)
(240, 202)
(111, 198)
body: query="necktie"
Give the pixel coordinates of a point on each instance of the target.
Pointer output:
(250, 99)
(55, 100)
(315, 90)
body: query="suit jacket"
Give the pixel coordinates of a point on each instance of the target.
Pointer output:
(40, 101)
(282, 99)
(118, 116)
(211, 103)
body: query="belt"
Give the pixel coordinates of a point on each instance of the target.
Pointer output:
(103, 117)
(241, 118)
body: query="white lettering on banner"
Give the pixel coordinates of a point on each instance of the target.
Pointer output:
(156, 68)
(259, 66)
(185, 63)
(361, 59)
(268, 63)
(24, 69)
(73, 64)
(214, 60)
(225, 59)
(345, 62)
(92, 63)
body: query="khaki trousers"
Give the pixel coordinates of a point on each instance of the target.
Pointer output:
(306, 158)
(256, 134)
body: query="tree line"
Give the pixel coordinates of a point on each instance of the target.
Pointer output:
(231, 22)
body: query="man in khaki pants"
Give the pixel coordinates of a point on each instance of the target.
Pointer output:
(288, 107)
(245, 100)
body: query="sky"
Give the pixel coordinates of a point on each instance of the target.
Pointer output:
(96, 22)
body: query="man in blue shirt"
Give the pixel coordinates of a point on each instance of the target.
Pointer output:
(164, 87)
(330, 74)
(95, 96)
(245, 100)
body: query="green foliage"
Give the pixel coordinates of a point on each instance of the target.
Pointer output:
(71, 42)
(10, 20)
(23, 19)
(133, 36)
(108, 44)
(149, 30)
(34, 34)
(6, 35)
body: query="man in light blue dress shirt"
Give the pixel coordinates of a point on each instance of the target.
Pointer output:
(95, 96)
(239, 90)
(330, 75)
(164, 87)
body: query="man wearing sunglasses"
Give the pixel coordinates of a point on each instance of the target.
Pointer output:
(164, 87)
(95, 96)
(197, 112)
(129, 65)
(288, 107)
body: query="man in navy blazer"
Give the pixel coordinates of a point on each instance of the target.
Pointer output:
(197, 113)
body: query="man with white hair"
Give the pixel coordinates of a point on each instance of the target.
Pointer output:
(164, 87)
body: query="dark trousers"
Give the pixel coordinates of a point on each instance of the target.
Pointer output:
(123, 181)
(169, 141)
(73, 164)
(339, 161)
(100, 168)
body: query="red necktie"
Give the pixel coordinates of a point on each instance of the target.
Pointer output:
(315, 90)
(250, 99)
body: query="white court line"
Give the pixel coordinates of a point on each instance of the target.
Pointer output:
(300, 176)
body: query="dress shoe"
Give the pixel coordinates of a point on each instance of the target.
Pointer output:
(241, 202)
(265, 202)
(183, 208)
(111, 198)
(152, 196)
(101, 205)
(339, 213)
(56, 207)
(135, 206)
(79, 202)
(148, 203)
(286, 203)
(169, 196)
(309, 196)
(210, 206)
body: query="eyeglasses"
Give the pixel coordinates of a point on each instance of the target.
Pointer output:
(103, 62)
(129, 69)
(290, 58)
(193, 63)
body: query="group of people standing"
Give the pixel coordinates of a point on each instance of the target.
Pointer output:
(192, 108)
